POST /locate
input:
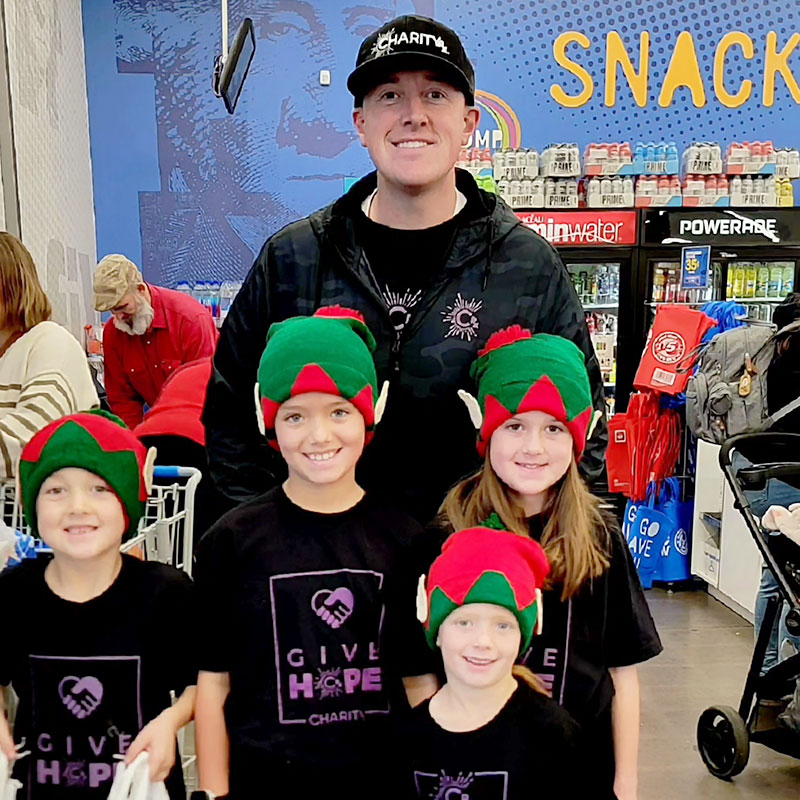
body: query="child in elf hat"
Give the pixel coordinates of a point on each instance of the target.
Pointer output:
(534, 415)
(294, 689)
(96, 657)
(490, 731)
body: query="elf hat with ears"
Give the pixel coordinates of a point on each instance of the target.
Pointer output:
(519, 371)
(98, 442)
(329, 352)
(482, 565)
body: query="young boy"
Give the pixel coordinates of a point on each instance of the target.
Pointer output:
(490, 731)
(293, 585)
(93, 654)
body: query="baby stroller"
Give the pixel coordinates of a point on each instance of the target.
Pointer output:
(760, 467)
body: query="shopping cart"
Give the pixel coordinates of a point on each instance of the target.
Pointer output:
(761, 468)
(166, 531)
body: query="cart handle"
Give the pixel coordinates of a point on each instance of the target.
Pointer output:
(173, 472)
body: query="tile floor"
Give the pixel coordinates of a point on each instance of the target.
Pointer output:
(707, 651)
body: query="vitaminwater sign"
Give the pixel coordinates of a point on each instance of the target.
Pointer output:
(723, 227)
(596, 228)
(683, 70)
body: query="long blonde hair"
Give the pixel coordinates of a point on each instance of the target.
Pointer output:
(23, 302)
(575, 537)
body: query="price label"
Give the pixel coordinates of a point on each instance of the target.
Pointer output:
(695, 262)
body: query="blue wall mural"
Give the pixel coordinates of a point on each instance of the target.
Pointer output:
(191, 193)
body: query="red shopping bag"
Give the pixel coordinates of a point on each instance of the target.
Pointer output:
(671, 349)
(618, 461)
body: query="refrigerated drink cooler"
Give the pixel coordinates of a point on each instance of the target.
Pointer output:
(755, 254)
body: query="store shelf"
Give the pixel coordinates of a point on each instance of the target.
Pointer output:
(598, 306)
(749, 300)
(609, 385)
(663, 303)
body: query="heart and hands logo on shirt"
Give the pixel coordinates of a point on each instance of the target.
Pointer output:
(81, 696)
(333, 607)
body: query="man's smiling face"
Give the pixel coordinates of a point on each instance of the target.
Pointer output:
(413, 125)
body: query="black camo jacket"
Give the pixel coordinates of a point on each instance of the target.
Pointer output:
(498, 273)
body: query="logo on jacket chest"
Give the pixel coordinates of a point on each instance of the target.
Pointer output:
(462, 318)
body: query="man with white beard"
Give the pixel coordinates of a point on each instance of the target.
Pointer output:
(152, 331)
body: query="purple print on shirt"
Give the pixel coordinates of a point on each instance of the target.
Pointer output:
(81, 696)
(326, 626)
(333, 607)
(462, 786)
(84, 712)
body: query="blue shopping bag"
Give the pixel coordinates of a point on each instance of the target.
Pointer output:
(649, 533)
(658, 534)
(675, 560)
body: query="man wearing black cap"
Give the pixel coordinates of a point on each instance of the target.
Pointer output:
(434, 264)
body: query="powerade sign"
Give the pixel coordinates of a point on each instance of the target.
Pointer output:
(723, 227)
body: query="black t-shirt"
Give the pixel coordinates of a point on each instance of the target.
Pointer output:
(294, 604)
(405, 262)
(606, 624)
(528, 750)
(90, 675)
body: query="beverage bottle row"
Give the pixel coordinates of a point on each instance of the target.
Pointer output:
(614, 152)
(215, 296)
(652, 185)
(596, 284)
(656, 151)
(561, 159)
(515, 164)
(474, 159)
(707, 185)
(602, 324)
(703, 151)
(667, 289)
(753, 185)
(758, 280)
(609, 185)
(739, 152)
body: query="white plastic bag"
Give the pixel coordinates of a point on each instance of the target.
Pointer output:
(132, 782)
(8, 785)
(8, 543)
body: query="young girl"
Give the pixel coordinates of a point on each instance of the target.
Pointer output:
(95, 655)
(490, 731)
(534, 415)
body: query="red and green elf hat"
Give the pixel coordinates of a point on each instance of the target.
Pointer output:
(482, 565)
(519, 371)
(329, 352)
(97, 442)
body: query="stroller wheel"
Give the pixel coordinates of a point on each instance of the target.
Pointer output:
(723, 741)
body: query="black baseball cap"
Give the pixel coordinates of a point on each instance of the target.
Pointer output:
(412, 43)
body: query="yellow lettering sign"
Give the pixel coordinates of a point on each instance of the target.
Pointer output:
(746, 88)
(683, 70)
(560, 52)
(775, 62)
(616, 54)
